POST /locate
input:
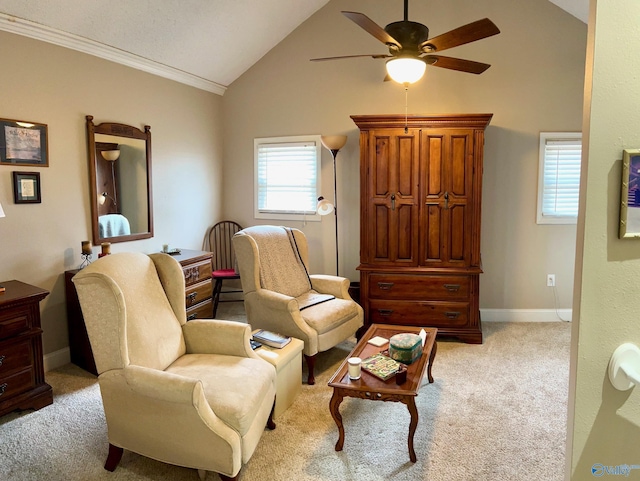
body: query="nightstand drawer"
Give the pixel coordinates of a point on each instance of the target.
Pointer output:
(197, 272)
(15, 357)
(412, 313)
(198, 293)
(16, 383)
(204, 310)
(404, 286)
(14, 322)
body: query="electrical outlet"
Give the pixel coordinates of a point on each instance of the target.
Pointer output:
(551, 280)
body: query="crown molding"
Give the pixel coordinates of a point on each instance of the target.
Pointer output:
(41, 32)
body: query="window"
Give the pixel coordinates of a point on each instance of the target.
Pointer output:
(559, 177)
(287, 177)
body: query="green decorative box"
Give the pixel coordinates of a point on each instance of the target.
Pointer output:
(405, 348)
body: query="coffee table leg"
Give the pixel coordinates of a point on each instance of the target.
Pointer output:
(411, 405)
(431, 358)
(334, 408)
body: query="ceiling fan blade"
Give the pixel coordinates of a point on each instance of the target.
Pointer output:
(383, 55)
(372, 28)
(457, 64)
(459, 36)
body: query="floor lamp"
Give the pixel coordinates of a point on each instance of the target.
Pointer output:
(333, 143)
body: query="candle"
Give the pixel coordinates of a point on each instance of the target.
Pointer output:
(354, 367)
(86, 247)
(106, 248)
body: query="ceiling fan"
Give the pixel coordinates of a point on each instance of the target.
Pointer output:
(411, 49)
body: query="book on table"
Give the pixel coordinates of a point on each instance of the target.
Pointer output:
(271, 339)
(381, 366)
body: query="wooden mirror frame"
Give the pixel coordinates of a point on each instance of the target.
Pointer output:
(123, 131)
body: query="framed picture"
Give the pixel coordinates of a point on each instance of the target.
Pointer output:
(630, 195)
(26, 188)
(23, 143)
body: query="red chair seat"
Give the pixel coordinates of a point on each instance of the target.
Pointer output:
(225, 274)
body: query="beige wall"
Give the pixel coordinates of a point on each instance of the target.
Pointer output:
(604, 425)
(58, 87)
(535, 84)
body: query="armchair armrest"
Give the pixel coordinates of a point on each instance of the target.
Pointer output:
(214, 336)
(276, 301)
(161, 385)
(334, 285)
(277, 312)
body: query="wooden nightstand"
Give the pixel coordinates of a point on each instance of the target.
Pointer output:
(22, 383)
(196, 266)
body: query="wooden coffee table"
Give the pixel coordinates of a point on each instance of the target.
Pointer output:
(374, 389)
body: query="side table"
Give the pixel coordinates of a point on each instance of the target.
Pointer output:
(22, 383)
(288, 364)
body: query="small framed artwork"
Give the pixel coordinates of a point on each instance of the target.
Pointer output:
(26, 188)
(630, 195)
(23, 143)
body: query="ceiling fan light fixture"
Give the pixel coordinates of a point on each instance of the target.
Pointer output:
(406, 70)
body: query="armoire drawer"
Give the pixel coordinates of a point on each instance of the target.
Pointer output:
(15, 357)
(421, 313)
(198, 292)
(204, 310)
(428, 287)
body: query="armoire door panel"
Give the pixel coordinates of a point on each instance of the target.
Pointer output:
(403, 234)
(406, 172)
(380, 232)
(458, 234)
(393, 191)
(434, 164)
(432, 232)
(381, 157)
(460, 172)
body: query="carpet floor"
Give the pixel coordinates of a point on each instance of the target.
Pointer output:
(496, 411)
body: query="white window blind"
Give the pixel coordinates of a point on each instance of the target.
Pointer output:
(559, 177)
(287, 176)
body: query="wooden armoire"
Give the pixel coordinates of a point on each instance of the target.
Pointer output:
(421, 191)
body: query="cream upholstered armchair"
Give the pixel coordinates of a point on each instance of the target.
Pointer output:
(280, 295)
(172, 390)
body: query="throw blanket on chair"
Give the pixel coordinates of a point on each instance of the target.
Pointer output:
(282, 269)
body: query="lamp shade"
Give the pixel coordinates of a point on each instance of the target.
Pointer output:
(102, 198)
(110, 155)
(1, 211)
(406, 70)
(333, 142)
(324, 207)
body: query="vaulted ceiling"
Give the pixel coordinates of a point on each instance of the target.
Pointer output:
(204, 43)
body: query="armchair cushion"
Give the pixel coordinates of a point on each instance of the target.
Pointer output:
(329, 315)
(233, 386)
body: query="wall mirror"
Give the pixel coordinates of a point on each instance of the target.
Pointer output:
(630, 195)
(120, 182)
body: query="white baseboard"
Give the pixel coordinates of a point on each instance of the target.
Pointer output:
(56, 359)
(525, 315)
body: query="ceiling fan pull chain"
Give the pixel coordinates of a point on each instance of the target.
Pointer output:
(406, 108)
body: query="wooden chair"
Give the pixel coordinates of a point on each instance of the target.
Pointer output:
(223, 260)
